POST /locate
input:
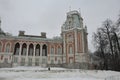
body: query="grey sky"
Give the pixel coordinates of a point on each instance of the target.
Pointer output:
(35, 16)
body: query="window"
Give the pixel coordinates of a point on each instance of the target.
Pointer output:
(43, 52)
(37, 52)
(70, 50)
(31, 51)
(17, 51)
(59, 51)
(8, 48)
(70, 38)
(52, 50)
(24, 51)
(71, 60)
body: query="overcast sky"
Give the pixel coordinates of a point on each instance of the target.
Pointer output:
(35, 16)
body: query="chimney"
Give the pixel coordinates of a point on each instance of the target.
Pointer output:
(43, 34)
(21, 33)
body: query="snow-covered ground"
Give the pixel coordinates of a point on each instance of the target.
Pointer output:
(38, 73)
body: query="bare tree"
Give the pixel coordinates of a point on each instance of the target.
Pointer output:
(106, 41)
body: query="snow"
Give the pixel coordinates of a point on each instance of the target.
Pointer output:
(39, 73)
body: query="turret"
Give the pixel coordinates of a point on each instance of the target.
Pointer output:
(73, 20)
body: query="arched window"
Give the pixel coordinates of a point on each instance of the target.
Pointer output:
(24, 49)
(0, 47)
(7, 48)
(37, 51)
(59, 51)
(31, 50)
(16, 49)
(44, 50)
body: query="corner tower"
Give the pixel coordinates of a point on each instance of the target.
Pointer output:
(75, 45)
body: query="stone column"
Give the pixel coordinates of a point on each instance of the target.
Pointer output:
(41, 45)
(26, 58)
(19, 60)
(33, 62)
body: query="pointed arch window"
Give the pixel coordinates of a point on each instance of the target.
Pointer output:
(16, 49)
(24, 49)
(37, 50)
(31, 50)
(44, 50)
(7, 48)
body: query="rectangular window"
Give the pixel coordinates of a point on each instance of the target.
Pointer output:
(71, 50)
(59, 51)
